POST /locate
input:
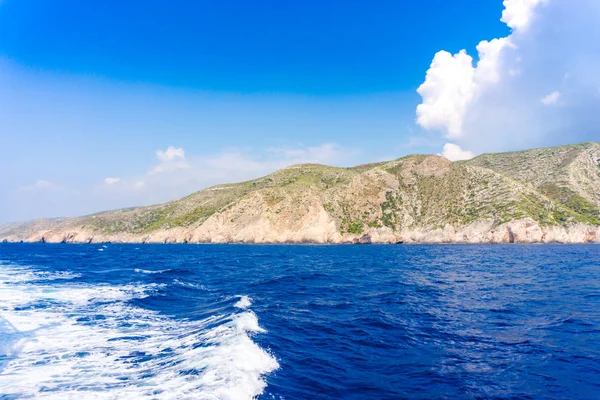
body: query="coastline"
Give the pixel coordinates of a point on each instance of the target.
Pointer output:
(526, 231)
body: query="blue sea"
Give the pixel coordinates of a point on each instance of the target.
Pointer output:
(299, 322)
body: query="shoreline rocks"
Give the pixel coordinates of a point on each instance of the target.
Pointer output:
(524, 231)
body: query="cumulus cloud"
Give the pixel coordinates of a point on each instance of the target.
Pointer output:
(551, 98)
(171, 154)
(501, 101)
(518, 13)
(171, 159)
(453, 152)
(447, 91)
(452, 83)
(112, 181)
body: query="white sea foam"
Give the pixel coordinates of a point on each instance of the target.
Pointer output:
(90, 343)
(190, 285)
(24, 274)
(244, 302)
(147, 271)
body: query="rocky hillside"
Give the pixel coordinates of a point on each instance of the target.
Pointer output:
(540, 195)
(567, 174)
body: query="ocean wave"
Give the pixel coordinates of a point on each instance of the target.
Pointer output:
(147, 271)
(77, 340)
(244, 302)
(20, 274)
(190, 285)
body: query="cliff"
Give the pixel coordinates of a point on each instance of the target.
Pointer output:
(535, 196)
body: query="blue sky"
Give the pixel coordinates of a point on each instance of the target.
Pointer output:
(92, 93)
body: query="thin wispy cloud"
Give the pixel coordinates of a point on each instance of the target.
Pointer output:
(111, 181)
(551, 98)
(178, 174)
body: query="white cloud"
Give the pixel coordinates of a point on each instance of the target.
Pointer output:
(452, 83)
(326, 153)
(171, 179)
(551, 98)
(112, 181)
(488, 68)
(171, 154)
(170, 160)
(517, 14)
(453, 152)
(241, 164)
(40, 185)
(447, 91)
(498, 103)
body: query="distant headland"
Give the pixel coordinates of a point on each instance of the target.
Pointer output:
(547, 195)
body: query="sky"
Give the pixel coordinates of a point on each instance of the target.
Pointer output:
(116, 104)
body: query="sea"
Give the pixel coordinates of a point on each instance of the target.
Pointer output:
(112, 321)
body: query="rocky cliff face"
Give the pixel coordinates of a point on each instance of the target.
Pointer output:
(536, 196)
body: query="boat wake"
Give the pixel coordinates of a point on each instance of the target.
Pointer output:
(62, 339)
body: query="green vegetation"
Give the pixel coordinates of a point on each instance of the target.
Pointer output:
(553, 186)
(587, 211)
(568, 175)
(150, 219)
(391, 209)
(355, 227)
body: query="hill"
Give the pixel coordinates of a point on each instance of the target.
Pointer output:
(539, 195)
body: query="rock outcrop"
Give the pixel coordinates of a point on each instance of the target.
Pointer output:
(536, 196)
